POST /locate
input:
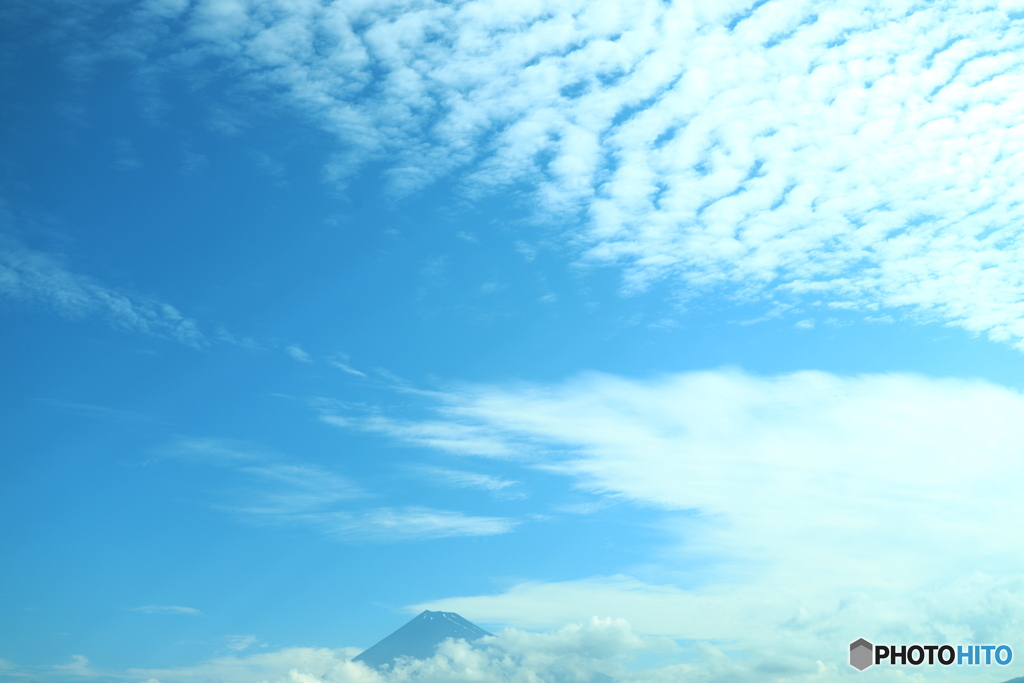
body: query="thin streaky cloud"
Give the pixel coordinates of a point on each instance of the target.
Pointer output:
(296, 352)
(585, 508)
(216, 451)
(387, 524)
(450, 436)
(347, 368)
(166, 609)
(471, 480)
(237, 643)
(277, 486)
(274, 491)
(126, 158)
(99, 411)
(468, 479)
(285, 489)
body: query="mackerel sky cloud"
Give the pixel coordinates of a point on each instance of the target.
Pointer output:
(39, 278)
(832, 154)
(674, 341)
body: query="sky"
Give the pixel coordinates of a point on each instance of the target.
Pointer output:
(679, 341)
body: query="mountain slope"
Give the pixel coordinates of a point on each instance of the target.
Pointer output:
(420, 638)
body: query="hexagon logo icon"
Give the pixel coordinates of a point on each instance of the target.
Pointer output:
(861, 654)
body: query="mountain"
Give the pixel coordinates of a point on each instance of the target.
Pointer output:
(420, 638)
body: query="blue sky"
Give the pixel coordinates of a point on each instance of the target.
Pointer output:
(655, 334)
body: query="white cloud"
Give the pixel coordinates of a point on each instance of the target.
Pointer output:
(526, 250)
(239, 643)
(269, 666)
(409, 523)
(296, 352)
(803, 506)
(98, 411)
(773, 633)
(79, 668)
(283, 491)
(289, 488)
(166, 609)
(571, 653)
(861, 152)
(472, 480)
(126, 159)
(593, 650)
(445, 435)
(588, 508)
(464, 479)
(303, 494)
(347, 368)
(37, 278)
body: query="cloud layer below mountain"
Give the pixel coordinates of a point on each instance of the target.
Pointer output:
(583, 653)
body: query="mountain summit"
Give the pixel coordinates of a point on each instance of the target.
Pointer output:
(420, 638)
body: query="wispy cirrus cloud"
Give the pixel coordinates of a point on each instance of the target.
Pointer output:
(280, 491)
(472, 480)
(857, 154)
(408, 523)
(297, 352)
(344, 367)
(276, 488)
(100, 412)
(447, 435)
(238, 643)
(166, 609)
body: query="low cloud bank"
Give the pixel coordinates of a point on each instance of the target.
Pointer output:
(599, 650)
(578, 652)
